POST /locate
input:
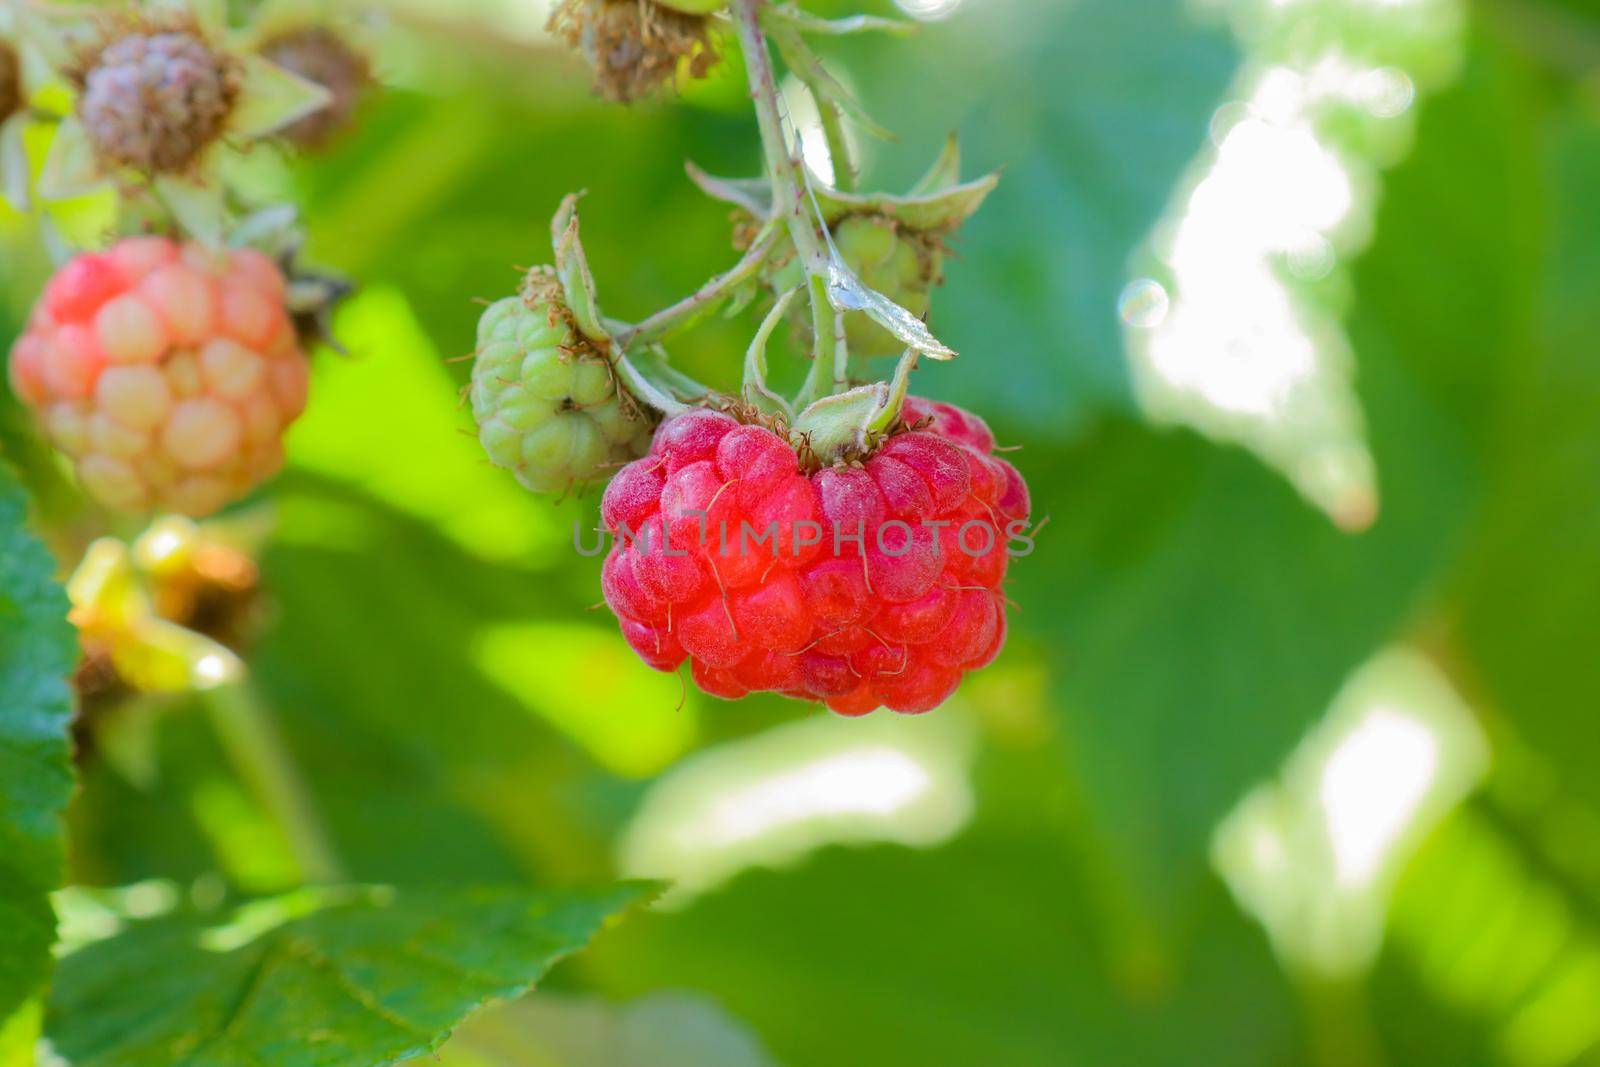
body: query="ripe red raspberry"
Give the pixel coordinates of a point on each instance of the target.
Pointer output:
(868, 585)
(167, 372)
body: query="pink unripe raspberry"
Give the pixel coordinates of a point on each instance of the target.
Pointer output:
(167, 372)
(876, 584)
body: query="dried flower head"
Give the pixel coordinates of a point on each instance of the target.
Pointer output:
(635, 46)
(153, 98)
(323, 57)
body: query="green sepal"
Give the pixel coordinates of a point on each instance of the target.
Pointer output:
(790, 16)
(274, 230)
(829, 92)
(572, 266)
(942, 210)
(159, 656)
(70, 170)
(210, 15)
(752, 194)
(198, 206)
(644, 375)
(271, 98)
(15, 173)
(104, 586)
(52, 36)
(152, 654)
(840, 428)
(755, 390)
(899, 386)
(57, 247)
(741, 297)
(936, 203)
(944, 174)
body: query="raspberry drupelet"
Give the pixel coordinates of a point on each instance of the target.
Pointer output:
(874, 584)
(166, 372)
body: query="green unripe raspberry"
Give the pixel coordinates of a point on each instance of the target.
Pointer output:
(903, 265)
(694, 7)
(566, 442)
(867, 240)
(547, 405)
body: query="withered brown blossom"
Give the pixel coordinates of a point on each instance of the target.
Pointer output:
(154, 98)
(635, 46)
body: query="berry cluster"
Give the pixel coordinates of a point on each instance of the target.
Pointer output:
(167, 372)
(863, 585)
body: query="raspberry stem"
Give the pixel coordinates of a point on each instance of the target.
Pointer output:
(792, 201)
(688, 310)
(804, 65)
(251, 738)
(644, 389)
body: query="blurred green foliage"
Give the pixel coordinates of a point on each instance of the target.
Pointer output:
(320, 976)
(36, 654)
(463, 717)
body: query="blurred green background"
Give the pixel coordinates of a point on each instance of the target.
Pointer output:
(1293, 757)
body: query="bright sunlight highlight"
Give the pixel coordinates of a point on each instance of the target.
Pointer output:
(1233, 331)
(872, 782)
(1372, 786)
(1315, 854)
(773, 798)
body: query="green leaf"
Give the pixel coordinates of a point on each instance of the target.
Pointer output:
(1199, 635)
(1204, 616)
(1499, 938)
(661, 1030)
(1119, 96)
(315, 979)
(37, 652)
(989, 951)
(1529, 604)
